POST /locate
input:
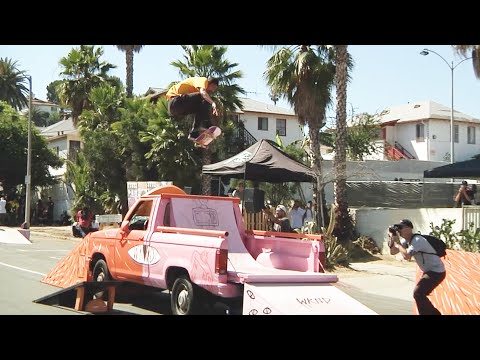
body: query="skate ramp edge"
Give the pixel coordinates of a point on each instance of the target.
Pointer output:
(14, 236)
(299, 299)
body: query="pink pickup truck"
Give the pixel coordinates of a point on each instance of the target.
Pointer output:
(197, 247)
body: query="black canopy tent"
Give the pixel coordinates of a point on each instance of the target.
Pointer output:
(463, 169)
(262, 162)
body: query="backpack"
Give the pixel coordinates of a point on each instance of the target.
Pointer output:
(472, 189)
(438, 245)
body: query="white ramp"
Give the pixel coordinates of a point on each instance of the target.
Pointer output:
(14, 236)
(299, 299)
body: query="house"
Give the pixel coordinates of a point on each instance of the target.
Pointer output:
(421, 130)
(265, 121)
(65, 139)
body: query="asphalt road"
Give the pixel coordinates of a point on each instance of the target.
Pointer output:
(386, 289)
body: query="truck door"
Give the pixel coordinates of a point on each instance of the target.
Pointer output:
(131, 254)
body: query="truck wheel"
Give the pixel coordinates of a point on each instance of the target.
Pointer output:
(100, 273)
(185, 297)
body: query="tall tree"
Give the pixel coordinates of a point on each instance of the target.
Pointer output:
(13, 89)
(474, 52)
(39, 117)
(209, 61)
(53, 90)
(13, 152)
(129, 51)
(82, 71)
(342, 223)
(305, 75)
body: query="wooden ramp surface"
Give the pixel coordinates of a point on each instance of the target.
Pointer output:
(459, 293)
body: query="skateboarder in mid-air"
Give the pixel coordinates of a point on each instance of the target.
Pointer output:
(191, 96)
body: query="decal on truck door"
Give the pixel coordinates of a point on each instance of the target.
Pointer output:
(144, 254)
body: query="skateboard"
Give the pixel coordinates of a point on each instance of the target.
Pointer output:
(207, 136)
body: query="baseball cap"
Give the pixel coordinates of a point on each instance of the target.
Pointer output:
(406, 222)
(281, 207)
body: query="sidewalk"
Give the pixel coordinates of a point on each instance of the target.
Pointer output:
(389, 278)
(58, 232)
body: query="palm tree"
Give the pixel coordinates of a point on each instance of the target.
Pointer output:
(83, 71)
(304, 76)
(12, 84)
(474, 52)
(340, 164)
(209, 61)
(129, 50)
(39, 117)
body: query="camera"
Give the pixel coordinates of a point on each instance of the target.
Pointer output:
(393, 229)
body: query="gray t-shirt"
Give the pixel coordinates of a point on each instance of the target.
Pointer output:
(418, 248)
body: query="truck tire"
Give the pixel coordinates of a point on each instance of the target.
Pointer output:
(100, 273)
(185, 297)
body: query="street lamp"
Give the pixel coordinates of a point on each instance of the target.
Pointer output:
(452, 67)
(28, 178)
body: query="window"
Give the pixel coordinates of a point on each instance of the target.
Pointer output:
(455, 133)
(140, 216)
(471, 135)
(282, 127)
(263, 123)
(420, 129)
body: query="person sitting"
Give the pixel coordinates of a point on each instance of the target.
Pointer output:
(83, 226)
(462, 197)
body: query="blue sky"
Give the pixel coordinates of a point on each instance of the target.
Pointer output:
(384, 75)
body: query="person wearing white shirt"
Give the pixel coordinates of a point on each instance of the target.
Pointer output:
(3, 211)
(309, 213)
(296, 216)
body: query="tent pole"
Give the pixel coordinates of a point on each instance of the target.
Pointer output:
(244, 185)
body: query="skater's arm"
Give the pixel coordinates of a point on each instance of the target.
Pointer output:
(208, 99)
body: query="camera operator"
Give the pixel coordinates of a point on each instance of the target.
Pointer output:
(432, 267)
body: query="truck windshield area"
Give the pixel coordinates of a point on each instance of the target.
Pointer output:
(140, 216)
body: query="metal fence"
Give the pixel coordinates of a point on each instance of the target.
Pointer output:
(400, 194)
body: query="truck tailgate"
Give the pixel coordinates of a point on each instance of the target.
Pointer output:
(280, 276)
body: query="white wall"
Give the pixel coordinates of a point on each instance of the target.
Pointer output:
(47, 108)
(374, 222)
(464, 151)
(294, 130)
(62, 144)
(436, 146)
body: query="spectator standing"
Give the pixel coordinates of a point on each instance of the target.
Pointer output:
(280, 221)
(50, 205)
(39, 211)
(309, 216)
(3, 211)
(239, 193)
(296, 216)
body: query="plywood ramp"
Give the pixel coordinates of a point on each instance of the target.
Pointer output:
(459, 293)
(72, 269)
